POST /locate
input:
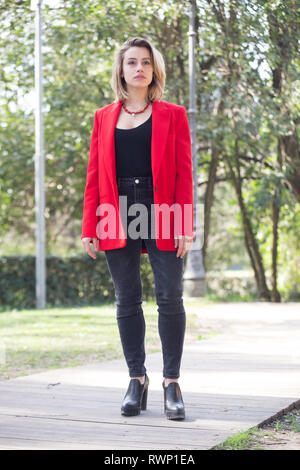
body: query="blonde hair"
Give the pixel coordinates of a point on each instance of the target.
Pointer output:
(156, 87)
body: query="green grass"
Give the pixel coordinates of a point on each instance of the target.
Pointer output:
(254, 438)
(235, 297)
(288, 422)
(243, 440)
(36, 340)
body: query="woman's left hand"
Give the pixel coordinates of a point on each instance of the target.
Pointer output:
(184, 243)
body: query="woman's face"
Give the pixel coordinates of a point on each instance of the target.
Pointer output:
(137, 62)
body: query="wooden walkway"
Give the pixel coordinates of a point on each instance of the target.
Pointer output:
(230, 382)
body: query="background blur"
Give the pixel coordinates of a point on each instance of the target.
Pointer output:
(247, 72)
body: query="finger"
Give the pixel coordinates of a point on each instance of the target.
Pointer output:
(186, 245)
(95, 243)
(180, 247)
(176, 237)
(89, 252)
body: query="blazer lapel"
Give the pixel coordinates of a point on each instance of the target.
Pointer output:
(160, 128)
(107, 140)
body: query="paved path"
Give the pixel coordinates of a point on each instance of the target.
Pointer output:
(230, 382)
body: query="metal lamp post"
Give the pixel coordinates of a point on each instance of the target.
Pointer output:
(194, 275)
(40, 264)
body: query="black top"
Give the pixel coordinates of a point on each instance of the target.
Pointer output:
(133, 150)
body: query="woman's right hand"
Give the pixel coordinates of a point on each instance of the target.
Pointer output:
(86, 245)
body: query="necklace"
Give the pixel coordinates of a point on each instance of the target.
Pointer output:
(135, 112)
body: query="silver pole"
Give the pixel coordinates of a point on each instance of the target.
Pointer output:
(40, 264)
(194, 275)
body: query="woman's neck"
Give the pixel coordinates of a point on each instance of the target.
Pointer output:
(136, 101)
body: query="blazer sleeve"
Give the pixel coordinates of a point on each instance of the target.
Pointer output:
(184, 177)
(91, 193)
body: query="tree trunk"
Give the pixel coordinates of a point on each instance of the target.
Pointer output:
(275, 219)
(289, 147)
(279, 34)
(208, 199)
(250, 241)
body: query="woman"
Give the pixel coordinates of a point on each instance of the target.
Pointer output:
(140, 156)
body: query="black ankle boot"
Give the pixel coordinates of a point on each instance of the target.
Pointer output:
(135, 399)
(174, 406)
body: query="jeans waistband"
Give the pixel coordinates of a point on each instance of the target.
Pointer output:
(135, 181)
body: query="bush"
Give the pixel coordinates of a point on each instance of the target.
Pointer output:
(71, 280)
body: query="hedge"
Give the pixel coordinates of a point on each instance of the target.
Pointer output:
(70, 280)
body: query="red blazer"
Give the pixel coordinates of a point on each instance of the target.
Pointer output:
(171, 158)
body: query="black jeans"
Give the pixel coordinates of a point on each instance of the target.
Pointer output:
(124, 267)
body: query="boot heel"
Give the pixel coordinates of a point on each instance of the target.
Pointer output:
(144, 399)
(135, 399)
(173, 401)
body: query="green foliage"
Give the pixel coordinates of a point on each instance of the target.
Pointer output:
(71, 280)
(241, 48)
(240, 441)
(289, 421)
(263, 437)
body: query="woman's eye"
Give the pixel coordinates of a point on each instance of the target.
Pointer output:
(132, 62)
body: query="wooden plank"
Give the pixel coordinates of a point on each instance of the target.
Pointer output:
(37, 444)
(194, 416)
(230, 382)
(99, 434)
(91, 407)
(70, 393)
